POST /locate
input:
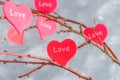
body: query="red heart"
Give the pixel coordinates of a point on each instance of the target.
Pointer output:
(46, 6)
(19, 16)
(15, 37)
(100, 30)
(61, 52)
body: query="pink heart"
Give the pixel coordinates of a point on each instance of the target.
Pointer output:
(46, 6)
(15, 37)
(100, 30)
(45, 27)
(61, 52)
(19, 16)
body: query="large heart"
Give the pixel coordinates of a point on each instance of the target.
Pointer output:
(45, 27)
(19, 16)
(61, 52)
(15, 37)
(97, 34)
(46, 6)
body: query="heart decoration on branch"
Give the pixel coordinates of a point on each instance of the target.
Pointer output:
(45, 27)
(97, 34)
(62, 52)
(46, 6)
(20, 16)
(15, 37)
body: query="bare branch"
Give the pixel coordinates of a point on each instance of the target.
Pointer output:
(2, 17)
(31, 27)
(23, 55)
(3, 40)
(84, 44)
(63, 31)
(27, 74)
(22, 62)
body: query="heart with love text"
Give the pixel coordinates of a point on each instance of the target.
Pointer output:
(97, 34)
(46, 6)
(62, 52)
(20, 16)
(45, 27)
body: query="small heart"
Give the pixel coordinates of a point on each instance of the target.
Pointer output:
(46, 6)
(19, 16)
(15, 37)
(61, 52)
(100, 30)
(45, 27)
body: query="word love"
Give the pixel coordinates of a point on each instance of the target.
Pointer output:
(14, 37)
(46, 6)
(45, 27)
(98, 34)
(61, 52)
(41, 4)
(19, 16)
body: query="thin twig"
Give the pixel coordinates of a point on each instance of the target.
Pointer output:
(30, 72)
(2, 17)
(22, 62)
(2, 41)
(23, 55)
(49, 62)
(74, 72)
(1, 2)
(84, 44)
(113, 54)
(31, 27)
(63, 31)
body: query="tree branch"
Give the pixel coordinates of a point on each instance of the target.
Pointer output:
(27, 74)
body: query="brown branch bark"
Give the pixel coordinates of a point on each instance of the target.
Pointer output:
(27, 74)
(49, 62)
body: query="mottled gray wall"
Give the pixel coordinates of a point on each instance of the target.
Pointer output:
(89, 60)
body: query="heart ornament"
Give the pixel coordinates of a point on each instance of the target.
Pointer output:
(61, 52)
(14, 37)
(20, 16)
(100, 30)
(45, 27)
(46, 6)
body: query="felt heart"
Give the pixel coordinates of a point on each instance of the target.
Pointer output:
(100, 30)
(46, 6)
(19, 16)
(45, 27)
(15, 37)
(61, 52)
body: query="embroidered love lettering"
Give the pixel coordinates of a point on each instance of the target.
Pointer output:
(46, 6)
(45, 27)
(62, 52)
(98, 34)
(61, 49)
(19, 16)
